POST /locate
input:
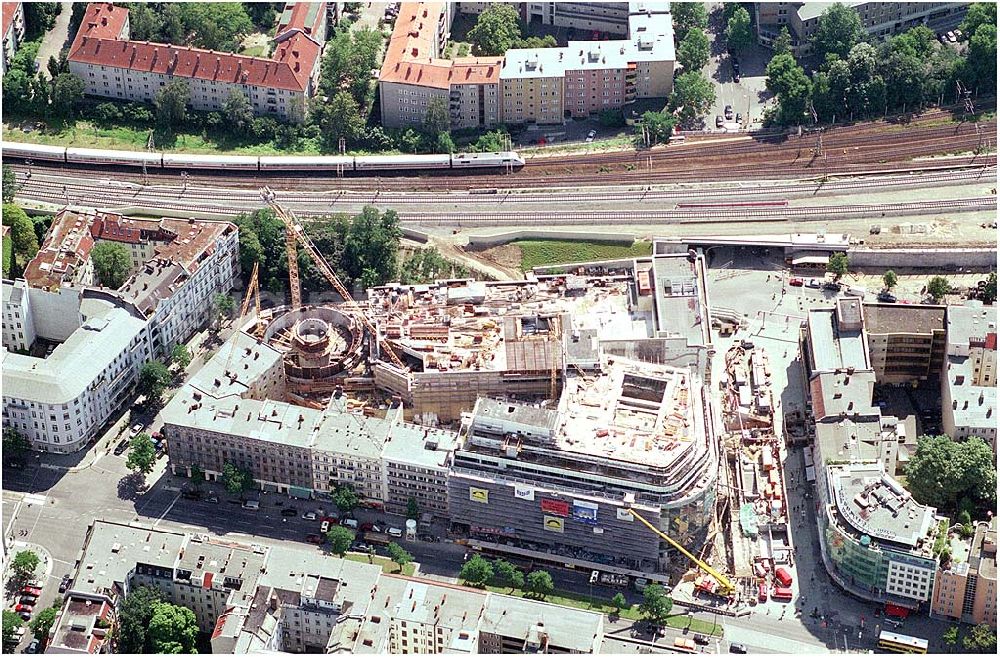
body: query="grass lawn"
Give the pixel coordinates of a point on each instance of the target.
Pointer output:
(257, 51)
(604, 606)
(621, 142)
(535, 253)
(8, 255)
(387, 565)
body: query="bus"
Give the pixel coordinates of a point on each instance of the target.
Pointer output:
(901, 643)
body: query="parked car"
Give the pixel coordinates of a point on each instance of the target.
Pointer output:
(832, 285)
(591, 135)
(367, 527)
(814, 283)
(395, 532)
(136, 430)
(738, 648)
(64, 584)
(289, 512)
(701, 639)
(325, 527)
(350, 523)
(24, 606)
(315, 539)
(212, 499)
(121, 447)
(728, 112)
(32, 647)
(887, 297)
(739, 118)
(951, 37)
(32, 590)
(719, 121)
(25, 615)
(309, 515)
(28, 599)
(796, 282)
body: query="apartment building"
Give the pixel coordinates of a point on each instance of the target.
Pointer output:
(113, 66)
(969, 376)
(965, 588)
(536, 85)
(18, 320)
(880, 19)
(603, 17)
(13, 31)
(906, 343)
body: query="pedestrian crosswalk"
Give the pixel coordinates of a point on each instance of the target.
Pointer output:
(34, 498)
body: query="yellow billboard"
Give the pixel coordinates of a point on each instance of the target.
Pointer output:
(480, 495)
(554, 524)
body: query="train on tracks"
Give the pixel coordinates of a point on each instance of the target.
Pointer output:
(339, 163)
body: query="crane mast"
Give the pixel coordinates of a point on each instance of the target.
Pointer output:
(294, 233)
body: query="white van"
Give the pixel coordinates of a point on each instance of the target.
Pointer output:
(350, 523)
(251, 505)
(856, 291)
(395, 532)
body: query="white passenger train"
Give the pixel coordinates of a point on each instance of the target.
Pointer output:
(44, 153)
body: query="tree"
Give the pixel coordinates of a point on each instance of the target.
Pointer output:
(693, 96)
(787, 80)
(436, 119)
(619, 602)
(181, 355)
(9, 184)
(688, 15)
(838, 265)
(216, 26)
(141, 454)
(173, 629)
(659, 126)
(978, 13)
(340, 539)
(950, 635)
(982, 58)
(144, 24)
(496, 30)
(989, 293)
(943, 471)
(981, 639)
(476, 572)
(372, 243)
(17, 93)
(350, 57)
(236, 480)
(11, 622)
(22, 232)
(937, 287)
(491, 142)
(656, 604)
(42, 623)
(197, 476)
(345, 498)
(693, 51)
(153, 380)
(412, 509)
(399, 556)
(24, 565)
(611, 118)
(738, 32)
(838, 30)
(238, 111)
(67, 91)
(445, 144)
(338, 118)
(539, 583)
(783, 42)
(133, 619)
(39, 17)
(112, 263)
(171, 103)
(506, 574)
(14, 443)
(889, 279)
(223, 305)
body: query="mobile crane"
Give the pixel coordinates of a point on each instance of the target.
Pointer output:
(726, 587)
(294, 233)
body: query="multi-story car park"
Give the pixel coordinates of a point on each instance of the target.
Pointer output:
(113, 66)
(535, 85)
(880, 19)
(253, 599)
(13, 31)
(100, 338)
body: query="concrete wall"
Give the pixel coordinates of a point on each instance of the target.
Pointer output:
(985, 258)
(56, 314)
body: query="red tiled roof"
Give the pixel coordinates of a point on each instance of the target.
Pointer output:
(298, 16)
(9, 10)
(102, 20)
(97, 43)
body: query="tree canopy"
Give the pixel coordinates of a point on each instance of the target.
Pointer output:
(656, 604)
(11, 622)
(659, 126)
(496, 30)
(693, 51)
(9, 184)
(238, 110)
(738, 32)
(154, 377)
(171, 103)
(412, 509)
(944, 470)
(346, 498)
(340, 539)
(141, 454)
(692, 97)
(938, 287)
(787, 80)
(181, 355)
(476, 571)
(399, 555)
(23, 239)
(14, 443)
(134, 616)
(42, 622)
(889, 279)
(981, 639)
(24, 565)
(688, 15)
(783, 42)
(506, 574)
(371, 246)
(173, 629)
(539, 583)
(236, 480)
(838, 30)
(977, 15)
(112, 263)
(838, 264)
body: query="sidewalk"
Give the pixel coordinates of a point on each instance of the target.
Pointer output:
(54, 39)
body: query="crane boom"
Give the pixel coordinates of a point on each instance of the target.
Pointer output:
(723, 581)
(296, 233)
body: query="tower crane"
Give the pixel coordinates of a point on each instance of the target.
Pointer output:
(725, 586)
(294, 233)
(253, 292)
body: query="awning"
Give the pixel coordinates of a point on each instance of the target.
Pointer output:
(300, 492)
(811, 260)
(896, 610)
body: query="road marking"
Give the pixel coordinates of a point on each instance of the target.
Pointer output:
(167, 510)
(50, 466)
(34, 498)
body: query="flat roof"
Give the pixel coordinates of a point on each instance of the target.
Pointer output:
(534, 63)
(889, 318)
(113, 549)
(833, 349)
(75, 364)
(680, 308)
(971, 322)
(975, 406)
(839, 393)
(420, 446)
(876, 505)
(571, 630)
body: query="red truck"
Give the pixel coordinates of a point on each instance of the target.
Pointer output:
(782, 594)
(783, 576)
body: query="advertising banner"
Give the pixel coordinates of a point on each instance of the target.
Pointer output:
(623, 514)
(524, 492)
(557, 507)
(585, 512)
(554, 524)
(480, 495)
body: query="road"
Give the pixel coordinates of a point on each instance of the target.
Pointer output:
(54, 40)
